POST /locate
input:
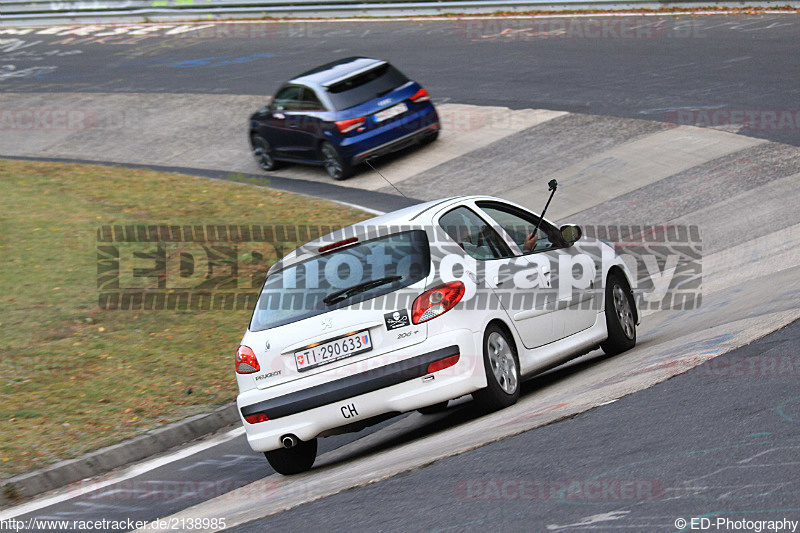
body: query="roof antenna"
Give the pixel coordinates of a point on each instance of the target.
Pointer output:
(387, 181)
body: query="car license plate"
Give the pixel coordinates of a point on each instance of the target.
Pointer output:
(328, 352)
(393, 111)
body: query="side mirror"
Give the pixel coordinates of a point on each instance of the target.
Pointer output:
(571, 233)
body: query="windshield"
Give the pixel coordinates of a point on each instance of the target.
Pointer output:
(365, 86)
(341, 278)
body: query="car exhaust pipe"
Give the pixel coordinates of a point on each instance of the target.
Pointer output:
(289, 441)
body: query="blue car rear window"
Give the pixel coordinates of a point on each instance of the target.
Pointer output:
(366, 86)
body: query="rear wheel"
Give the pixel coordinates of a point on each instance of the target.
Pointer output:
(288, 461)
(335, 166)
(264, 153)
(430, 137)
(502, 371)
(620, 320)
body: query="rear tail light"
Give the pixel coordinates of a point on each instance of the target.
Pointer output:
(246, 362)
(346, 126)
(441, 364)
(436, 301)
(420, 96)
(256, 418)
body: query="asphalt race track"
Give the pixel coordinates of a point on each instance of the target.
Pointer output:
(614, 119)
(716, 442)
(643, 67)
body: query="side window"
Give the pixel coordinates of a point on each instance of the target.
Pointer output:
(474, 235)
(519, 225)
(310, 102)
(288, 99)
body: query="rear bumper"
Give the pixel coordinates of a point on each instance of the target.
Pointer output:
(349, 387)
(401, 386)
(391, 137)
(395, 145)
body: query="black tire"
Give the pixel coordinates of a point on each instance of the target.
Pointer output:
(289, 461)
(620, 317)
(501, 364)
(435, 408)
(428, 139)
(335, 166)
(264, 153)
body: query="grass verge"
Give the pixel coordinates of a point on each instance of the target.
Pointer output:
(75, 377)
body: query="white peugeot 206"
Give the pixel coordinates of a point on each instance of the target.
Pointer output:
(414, 308)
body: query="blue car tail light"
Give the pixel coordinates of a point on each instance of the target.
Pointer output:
(420, 96)
(346, 126)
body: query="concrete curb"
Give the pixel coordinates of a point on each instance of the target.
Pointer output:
(371, 201)
(106, 459)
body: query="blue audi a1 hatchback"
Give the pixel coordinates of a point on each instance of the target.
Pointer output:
(341, 114)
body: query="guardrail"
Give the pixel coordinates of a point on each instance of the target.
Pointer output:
(16, 11)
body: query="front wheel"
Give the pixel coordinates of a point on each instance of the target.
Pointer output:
(502, 371)
(620, 320)
(335, 166)
(288, 461)
(264, 153)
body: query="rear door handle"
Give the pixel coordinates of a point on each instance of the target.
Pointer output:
(544, 273)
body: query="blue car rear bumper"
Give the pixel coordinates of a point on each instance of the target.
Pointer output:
(391, 137)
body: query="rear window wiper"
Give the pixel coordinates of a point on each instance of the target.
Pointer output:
(344, 294)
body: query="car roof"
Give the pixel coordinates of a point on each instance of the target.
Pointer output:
(334, 71)
(418, 214)
(415, 216)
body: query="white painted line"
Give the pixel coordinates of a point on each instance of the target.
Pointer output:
(607, 403)
(356, 206)
(590, 520)
(465, 128)
(630, 166)
(128, 473)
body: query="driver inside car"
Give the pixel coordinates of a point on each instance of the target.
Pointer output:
(530, 243)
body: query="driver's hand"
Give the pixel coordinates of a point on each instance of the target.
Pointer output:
(530, 242)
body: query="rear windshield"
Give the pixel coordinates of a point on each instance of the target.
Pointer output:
(342, 278)
(365, 86)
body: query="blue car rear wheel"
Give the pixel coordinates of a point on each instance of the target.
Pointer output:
(335, 166)
(430, 138)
